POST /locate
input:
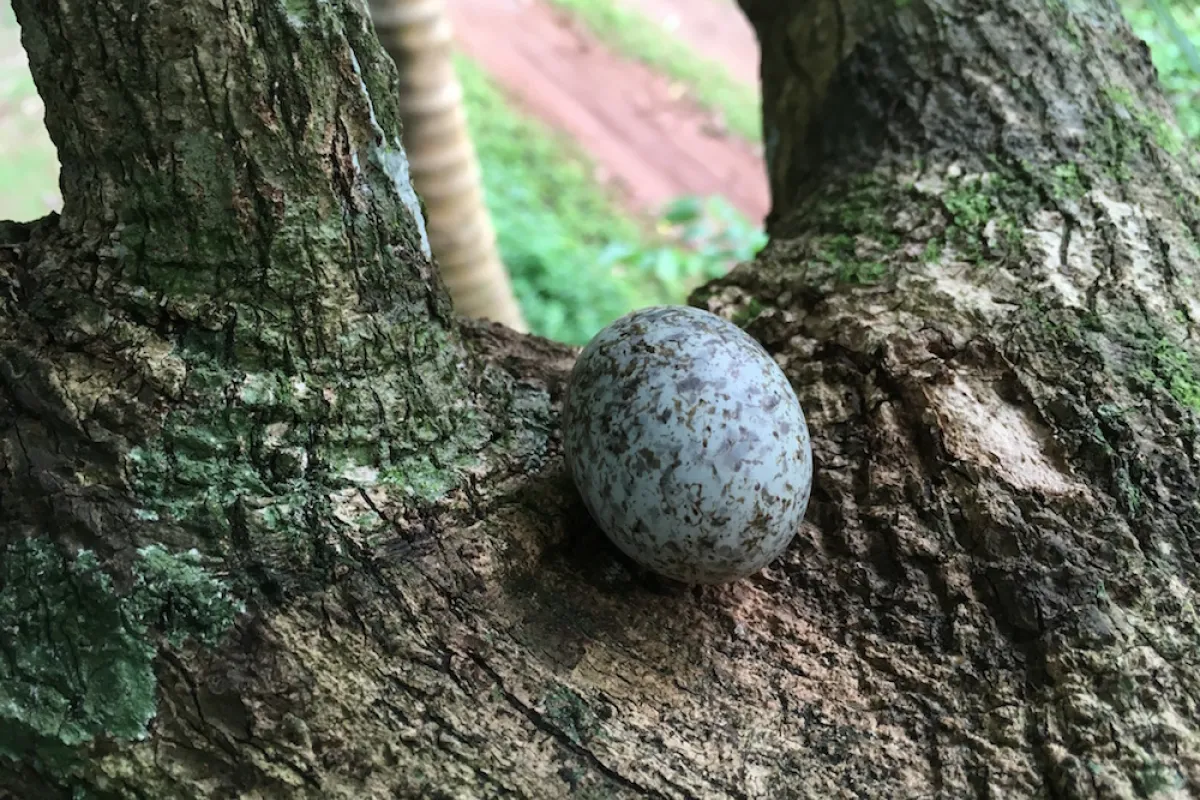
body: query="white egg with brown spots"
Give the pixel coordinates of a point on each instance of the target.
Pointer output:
(688, 444)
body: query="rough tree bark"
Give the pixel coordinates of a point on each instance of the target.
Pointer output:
(983, 248)
(445, 170)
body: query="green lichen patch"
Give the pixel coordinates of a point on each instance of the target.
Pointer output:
(246, 459)
(176, 595)
(571, 715)
(874, 226)
(262, 464)
(76, 658)
(428, 478)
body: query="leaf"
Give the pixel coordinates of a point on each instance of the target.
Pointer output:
(683, 210)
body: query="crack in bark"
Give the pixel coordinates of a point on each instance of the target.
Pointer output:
(566, 742)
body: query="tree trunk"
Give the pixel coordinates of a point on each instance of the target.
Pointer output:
(979, 280)
(445, 170)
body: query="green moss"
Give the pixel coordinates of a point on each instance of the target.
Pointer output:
(970, 210)
(1149, 124)
(1165, 134)
(632, 34)
(77, 654)
(987, 215)
(1110, 148)
(862, 225)
(1066, 183)
(1173, 368)
(1126, 355)
(1121, 96)
(840, 251)
(857, 239)
(748, 313)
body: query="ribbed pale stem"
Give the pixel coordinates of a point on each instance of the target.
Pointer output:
(445, 170)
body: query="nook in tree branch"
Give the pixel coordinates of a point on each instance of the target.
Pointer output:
(980, 283)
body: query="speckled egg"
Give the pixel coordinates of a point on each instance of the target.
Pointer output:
(687, 444)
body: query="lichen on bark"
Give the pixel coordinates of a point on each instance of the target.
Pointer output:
(232, 342)
(1009, 399)
(77, 657)
(978, 282)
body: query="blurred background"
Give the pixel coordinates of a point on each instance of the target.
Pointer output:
(618, 140)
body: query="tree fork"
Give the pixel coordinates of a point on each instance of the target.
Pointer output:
(978, 282)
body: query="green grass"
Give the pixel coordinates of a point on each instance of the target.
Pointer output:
(577, 261)
(552, 221)
(636, 36)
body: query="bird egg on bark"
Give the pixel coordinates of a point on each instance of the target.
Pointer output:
(688, 444)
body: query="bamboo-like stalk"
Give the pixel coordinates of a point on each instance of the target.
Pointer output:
(445, 170)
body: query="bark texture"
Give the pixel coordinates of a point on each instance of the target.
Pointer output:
(979, 282)
(445, 171)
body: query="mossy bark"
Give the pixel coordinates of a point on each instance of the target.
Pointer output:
(979, 282)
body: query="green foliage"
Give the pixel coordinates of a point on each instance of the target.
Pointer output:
(577, 261)
(28, 161)
(76, 656)
(1171, 29)
(632, 34)
(709, 237)
(552, 221)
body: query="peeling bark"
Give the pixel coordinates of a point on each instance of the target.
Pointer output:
(979, 281)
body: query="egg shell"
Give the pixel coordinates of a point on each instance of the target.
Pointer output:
(687, 444)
